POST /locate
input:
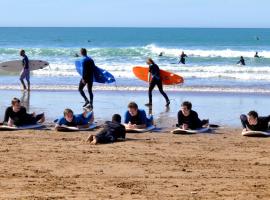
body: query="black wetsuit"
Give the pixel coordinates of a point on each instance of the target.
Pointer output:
(156, 80)
(22, 117)
(242, 61)
(262, 124)
(88, 77)
(182, 59)
(111, 132)
(192, 120)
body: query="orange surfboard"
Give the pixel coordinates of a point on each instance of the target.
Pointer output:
(167, 78)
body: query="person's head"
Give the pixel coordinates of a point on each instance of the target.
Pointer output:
(253, 117)
(186, 108)
(241, 57)
(133, 108)
(183, 52)
(83, 52)
(116, 118)
(16, 104)
(22, 52)
(68, 114)
(150, 61)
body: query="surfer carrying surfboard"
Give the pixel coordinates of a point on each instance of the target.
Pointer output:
(252, 122)
(88, 67)
(188, 118)
(25, 73)
(155, 79)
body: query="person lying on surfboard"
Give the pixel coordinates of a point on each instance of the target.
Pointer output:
(188, 118)
(16, 115)
(111, 132)
(136, 118)
(252, 122)
(80, 121)
(154, 79)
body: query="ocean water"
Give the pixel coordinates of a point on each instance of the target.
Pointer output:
(211, 63)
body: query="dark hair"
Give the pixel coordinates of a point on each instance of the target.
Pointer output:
(67, 110)
(14, 101)
(133, 105)
(83, 51)
(254, 114)
(150, 60)
(116, 118)
(187, 104)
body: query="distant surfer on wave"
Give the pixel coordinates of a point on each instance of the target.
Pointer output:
(183, 57)
(155, 79)
(241, 61)
(88, 67)
(25, 73)
(256, 55)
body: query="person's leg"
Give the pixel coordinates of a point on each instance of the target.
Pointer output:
(152, 85)
(27, 77)
(160, 87)
(90, 91)
(244, 121)
(81, 87)
(22, 76)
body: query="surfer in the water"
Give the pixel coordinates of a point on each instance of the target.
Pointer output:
(155, 79)
(188, 119)
(88, 66)
(183, 57)
(252, 122)
(241, 61)
(256, 55)
(25, 73)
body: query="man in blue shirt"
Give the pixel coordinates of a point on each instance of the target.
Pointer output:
(80, 121)
(25, 73)
(135, 118)
(88, 66)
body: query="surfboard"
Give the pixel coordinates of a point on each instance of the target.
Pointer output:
(17, 66)
(17, 128)
(100, 75)
(75, 129)
(256, 134)
(168, 78)
(187, 132)
(149, 128)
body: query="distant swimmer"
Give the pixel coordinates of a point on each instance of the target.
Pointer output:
(161, 54)
(241, 61)
(257, 38)
(183, 57)
(89, 41)
(76, 55)
(256, 55)
(25, 73)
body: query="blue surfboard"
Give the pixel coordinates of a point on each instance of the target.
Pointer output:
(100, 75)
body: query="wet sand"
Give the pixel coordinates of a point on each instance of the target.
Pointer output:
(49, 165)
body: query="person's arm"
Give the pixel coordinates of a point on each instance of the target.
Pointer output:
(84, 69)
(143, 121)
(149, 74)
(7, 115)
(127, 119)
(180, 120)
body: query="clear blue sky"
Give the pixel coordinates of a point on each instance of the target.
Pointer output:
(136, 13)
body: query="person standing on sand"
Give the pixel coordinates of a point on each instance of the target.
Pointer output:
(155, 79)
(183, 57)
(88, 66)
(25, 73)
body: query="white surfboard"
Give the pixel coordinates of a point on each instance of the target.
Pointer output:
(75, 129)
(182, 131)
(256, 134)
(16, 128)
(17, 66)
(149, 128)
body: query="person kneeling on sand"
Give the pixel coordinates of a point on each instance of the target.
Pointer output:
(111, 132)
(252, 122)
(188, 118)
(16, 115)
(80, 121)
(136, 118)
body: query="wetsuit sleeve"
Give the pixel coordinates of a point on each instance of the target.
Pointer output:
(143, 117)
(61, 121)
(84, 69)
(195, 121)
(180, 120)
(127, 118)
(23, 110)
(7, 114)
(122, 132)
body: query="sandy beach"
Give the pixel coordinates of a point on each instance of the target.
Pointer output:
(50, 165)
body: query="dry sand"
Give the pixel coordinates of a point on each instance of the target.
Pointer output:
(49, 165)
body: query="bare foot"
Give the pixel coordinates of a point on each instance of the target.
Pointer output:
(94, 141)
(90, 138)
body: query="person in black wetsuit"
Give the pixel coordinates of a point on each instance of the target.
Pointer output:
(256, 55)
(252, 122)
(88, 66)
(188, 118)
(183, 57)
(241, 61)
(111, 132)
(155, 79)
(17, 115)
(25, 73)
